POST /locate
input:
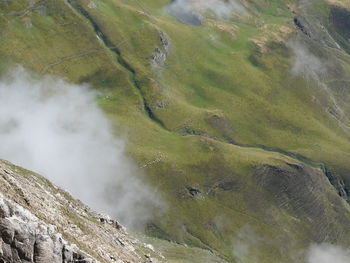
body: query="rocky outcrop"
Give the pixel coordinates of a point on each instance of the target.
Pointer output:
(41, 223)
(25, 238)
(160, 54)
(302, 25)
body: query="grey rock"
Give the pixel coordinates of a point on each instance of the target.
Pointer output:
(34, 214)
(160, 54)
(67, 254)
(6, 231)
(6, 252)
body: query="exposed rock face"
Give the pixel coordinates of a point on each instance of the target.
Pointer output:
(159, 55)
(303, 26)
(41, 223)
(25, 238)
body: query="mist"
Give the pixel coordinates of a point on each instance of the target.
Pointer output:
(248, 246)
(326, 253)
(193, 12)
(305, 63)
(57, 129)
(316, 70)
(244, 242)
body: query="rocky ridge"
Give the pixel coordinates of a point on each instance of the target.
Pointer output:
(41, 223)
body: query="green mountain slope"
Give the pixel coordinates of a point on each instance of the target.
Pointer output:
(222, 125)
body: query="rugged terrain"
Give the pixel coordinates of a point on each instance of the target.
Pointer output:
(41, 223)
(241, 122)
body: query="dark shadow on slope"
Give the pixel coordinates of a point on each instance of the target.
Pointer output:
(340, 26)
(300, 25)
(302, 192)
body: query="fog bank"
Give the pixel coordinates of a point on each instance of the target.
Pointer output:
(305, 63)
(248, 246)
(326, 253)
(57, 129)
(192, 12)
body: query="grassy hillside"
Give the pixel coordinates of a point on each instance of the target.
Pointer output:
(231, 137)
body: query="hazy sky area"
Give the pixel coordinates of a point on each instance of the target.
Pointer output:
(57, 129)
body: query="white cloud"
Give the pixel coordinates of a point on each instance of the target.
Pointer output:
(193, 11)
(325, 253)
(305, 63)
(244, 243)
(57, 129)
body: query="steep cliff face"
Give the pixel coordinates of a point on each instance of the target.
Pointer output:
(41, 223)
(25, 238)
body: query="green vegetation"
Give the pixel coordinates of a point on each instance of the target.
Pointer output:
(223, 103)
